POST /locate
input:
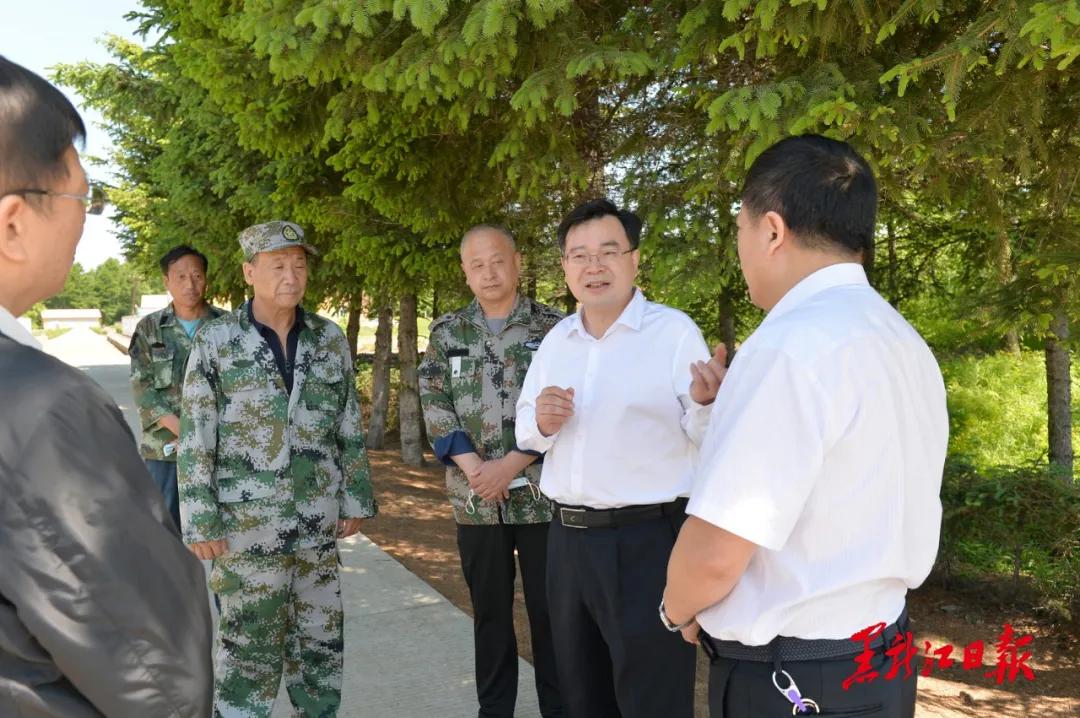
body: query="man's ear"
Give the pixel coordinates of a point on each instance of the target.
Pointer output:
(778, 229)
(249, 273)
(14, 213)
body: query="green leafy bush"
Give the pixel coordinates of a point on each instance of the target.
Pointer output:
(997, 409)
(1021, 522)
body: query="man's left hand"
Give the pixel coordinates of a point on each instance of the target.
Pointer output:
(348, 527)
(491, 480)
(707, 376)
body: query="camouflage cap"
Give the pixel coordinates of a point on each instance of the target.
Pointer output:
(272, 236)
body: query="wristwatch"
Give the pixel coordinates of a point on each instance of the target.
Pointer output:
(673, 627)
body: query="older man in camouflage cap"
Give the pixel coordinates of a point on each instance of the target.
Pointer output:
(470, 379)
(272, 470)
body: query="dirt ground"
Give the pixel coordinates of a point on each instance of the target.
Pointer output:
(416, 527)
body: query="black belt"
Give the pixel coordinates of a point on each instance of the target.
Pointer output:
(785, 648)
(584, 517)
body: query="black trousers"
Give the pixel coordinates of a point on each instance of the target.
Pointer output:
(744, 689)
(487, 560)
(615, 658)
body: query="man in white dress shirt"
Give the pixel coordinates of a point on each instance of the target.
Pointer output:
(816, 502)
(617, 397)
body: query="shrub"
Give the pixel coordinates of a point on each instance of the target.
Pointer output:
(1021, 522)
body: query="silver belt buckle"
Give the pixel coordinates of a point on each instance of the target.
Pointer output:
(572, 518)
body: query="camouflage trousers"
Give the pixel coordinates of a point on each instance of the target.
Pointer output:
(278, 614)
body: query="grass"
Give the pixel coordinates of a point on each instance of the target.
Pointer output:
(56, 332)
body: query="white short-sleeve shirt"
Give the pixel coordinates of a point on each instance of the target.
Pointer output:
(825, 448)
(633, 437)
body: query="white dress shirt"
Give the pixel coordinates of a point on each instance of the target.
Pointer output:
(10, 327)
(825, 449)
(635, 430)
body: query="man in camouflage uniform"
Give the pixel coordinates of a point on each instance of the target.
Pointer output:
(470, 378)
(159, 352)
(272, 470)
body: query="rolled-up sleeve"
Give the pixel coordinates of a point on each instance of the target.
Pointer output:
(444, 429)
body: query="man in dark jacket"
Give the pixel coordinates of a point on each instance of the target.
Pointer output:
(103, 610)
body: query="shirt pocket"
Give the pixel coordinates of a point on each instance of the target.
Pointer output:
(467, 383)
(522, 357)
(161, 366)
(234, 487)
(324, 388)
(246, 400)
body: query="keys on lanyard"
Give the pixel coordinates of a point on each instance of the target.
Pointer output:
(792, 693)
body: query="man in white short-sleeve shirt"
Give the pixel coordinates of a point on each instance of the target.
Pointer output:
(816, 502)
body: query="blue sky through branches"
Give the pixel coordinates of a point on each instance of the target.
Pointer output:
(40, 34)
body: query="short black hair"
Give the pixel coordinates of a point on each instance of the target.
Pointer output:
(176, 253)
(595, 209)
(823, 188)
(37, 126)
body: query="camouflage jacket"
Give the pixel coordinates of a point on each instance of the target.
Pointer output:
(159, 352)
(469, 385)
(269, 471)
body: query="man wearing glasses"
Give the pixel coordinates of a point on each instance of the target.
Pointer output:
(617, 396)
(102, 610)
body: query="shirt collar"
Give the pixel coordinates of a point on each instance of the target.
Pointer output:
(835, 275)
(168, 316)
(520, 313)
(10, 327)
(262, 328)
(631, 317)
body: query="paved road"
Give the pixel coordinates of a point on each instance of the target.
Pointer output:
(408, 651)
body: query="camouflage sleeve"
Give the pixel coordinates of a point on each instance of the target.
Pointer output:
(200, 515)
(152, 403)
(357, 496)
(445, 432)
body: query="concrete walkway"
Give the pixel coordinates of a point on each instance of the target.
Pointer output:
(408, 651)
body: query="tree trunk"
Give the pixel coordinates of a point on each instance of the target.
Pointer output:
(380, 378)
(1004, 266)
(1058, 394)
(726, 322)
(890, 238)
(409, 416)
(530, 271)
(569, 301)
(352, 328)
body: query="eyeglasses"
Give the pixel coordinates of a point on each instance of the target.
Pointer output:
(87, 200)
(606, 257)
